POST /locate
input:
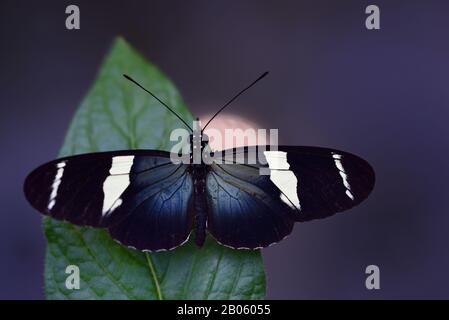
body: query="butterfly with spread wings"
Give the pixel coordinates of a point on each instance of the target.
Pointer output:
(150, 202)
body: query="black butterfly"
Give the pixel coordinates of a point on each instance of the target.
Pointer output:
(149, 202)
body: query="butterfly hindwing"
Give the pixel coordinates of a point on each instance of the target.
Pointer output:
(141, 196)
(243, 215)
(158, 214)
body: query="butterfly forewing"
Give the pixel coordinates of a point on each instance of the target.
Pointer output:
(327, 181)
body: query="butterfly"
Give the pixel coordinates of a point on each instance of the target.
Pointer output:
(244, 198)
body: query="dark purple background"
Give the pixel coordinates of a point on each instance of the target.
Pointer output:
(381, 94)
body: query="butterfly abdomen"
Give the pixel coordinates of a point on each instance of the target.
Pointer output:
(199, 173)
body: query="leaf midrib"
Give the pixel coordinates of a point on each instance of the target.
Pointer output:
(154, 276)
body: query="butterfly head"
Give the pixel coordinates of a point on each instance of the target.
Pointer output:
(199, 139)
(204, 140)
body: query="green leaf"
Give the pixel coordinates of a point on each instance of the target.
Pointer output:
(116, 115)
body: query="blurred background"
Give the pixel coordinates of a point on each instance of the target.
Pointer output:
(380, 94)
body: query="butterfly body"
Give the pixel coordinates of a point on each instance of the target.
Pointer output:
(198, 170)
(199, 174)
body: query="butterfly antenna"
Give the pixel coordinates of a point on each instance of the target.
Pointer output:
(235, 97)
(162, 102)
